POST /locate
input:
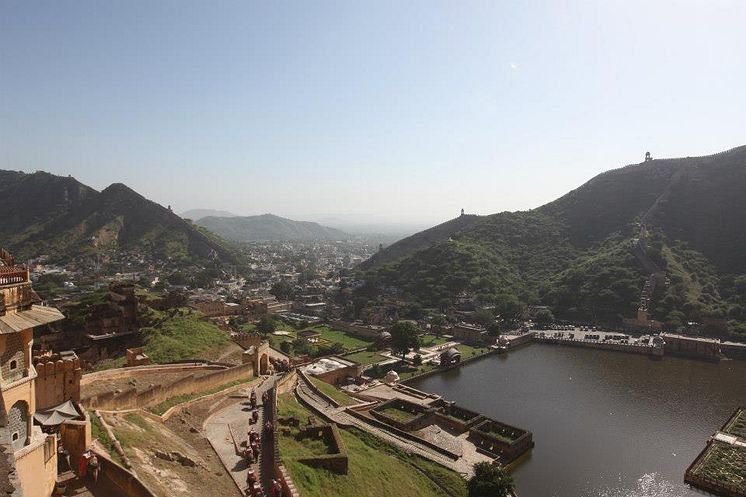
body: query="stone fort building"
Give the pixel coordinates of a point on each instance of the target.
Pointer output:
(28, 454)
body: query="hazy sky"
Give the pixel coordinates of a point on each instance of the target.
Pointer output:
(403, 111)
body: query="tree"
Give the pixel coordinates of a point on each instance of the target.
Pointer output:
(438, 321)
(489, 480)
(177, 278)
(417, 361)
(265, 326)
(509, 307)
(286, 347)
(544, 317)
(404, 337)
(281, 290)
(484, 317)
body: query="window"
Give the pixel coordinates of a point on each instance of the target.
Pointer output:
(13, 365)
(14, 437)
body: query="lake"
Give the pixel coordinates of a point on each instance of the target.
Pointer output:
(605, 423)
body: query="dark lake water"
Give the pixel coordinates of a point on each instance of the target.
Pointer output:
(605, 423)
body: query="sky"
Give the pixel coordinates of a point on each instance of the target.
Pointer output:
(372, 111)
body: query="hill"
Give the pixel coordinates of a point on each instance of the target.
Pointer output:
(588, 253)
(195, 214)
(63, 218)
(421, 240)
(268, 227)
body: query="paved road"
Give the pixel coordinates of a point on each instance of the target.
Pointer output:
(235, 418)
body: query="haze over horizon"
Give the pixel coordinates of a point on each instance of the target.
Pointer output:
(381, 112)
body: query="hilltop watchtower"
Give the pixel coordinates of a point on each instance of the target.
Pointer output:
(648, 157)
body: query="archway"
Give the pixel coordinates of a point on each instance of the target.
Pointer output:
(264, 364)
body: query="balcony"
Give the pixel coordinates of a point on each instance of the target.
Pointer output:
(11, 275)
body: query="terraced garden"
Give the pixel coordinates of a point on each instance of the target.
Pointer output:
(725, 464)
(375, 468)
(737, 427)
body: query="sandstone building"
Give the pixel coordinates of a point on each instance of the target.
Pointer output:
(23, 445)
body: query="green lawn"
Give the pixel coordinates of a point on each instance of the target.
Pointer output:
(365, 357)
(342, 398)
(429, 340)
(290, 445)
(276, 340)
(398, 414)
(468, 351)
(375, 468)
(348, 341)
(422, 369)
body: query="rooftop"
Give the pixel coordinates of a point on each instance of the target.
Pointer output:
(326, 365)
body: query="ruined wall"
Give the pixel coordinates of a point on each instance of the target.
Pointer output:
(189, 385)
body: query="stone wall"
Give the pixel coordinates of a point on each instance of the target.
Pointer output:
(189, 385)
(336, 460)
(122, 479)
(76, 437)
(134, 372)
(281, 474)
(287, 383)
(57, 381)
(359, 330)
(486, 436)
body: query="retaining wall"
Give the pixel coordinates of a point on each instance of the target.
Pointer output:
(122, 479)
(189, 385)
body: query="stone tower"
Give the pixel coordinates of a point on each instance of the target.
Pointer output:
(648, 157)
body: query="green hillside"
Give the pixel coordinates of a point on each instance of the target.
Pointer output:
(578, 254)
(62, 218)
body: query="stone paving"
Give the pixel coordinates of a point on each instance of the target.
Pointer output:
(235, 418)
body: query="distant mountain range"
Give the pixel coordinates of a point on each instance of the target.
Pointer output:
(44, 214)
(588, 253)
(268, 227)
(195, 214)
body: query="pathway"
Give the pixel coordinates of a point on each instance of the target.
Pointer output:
(85, 487)
(235, 418)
